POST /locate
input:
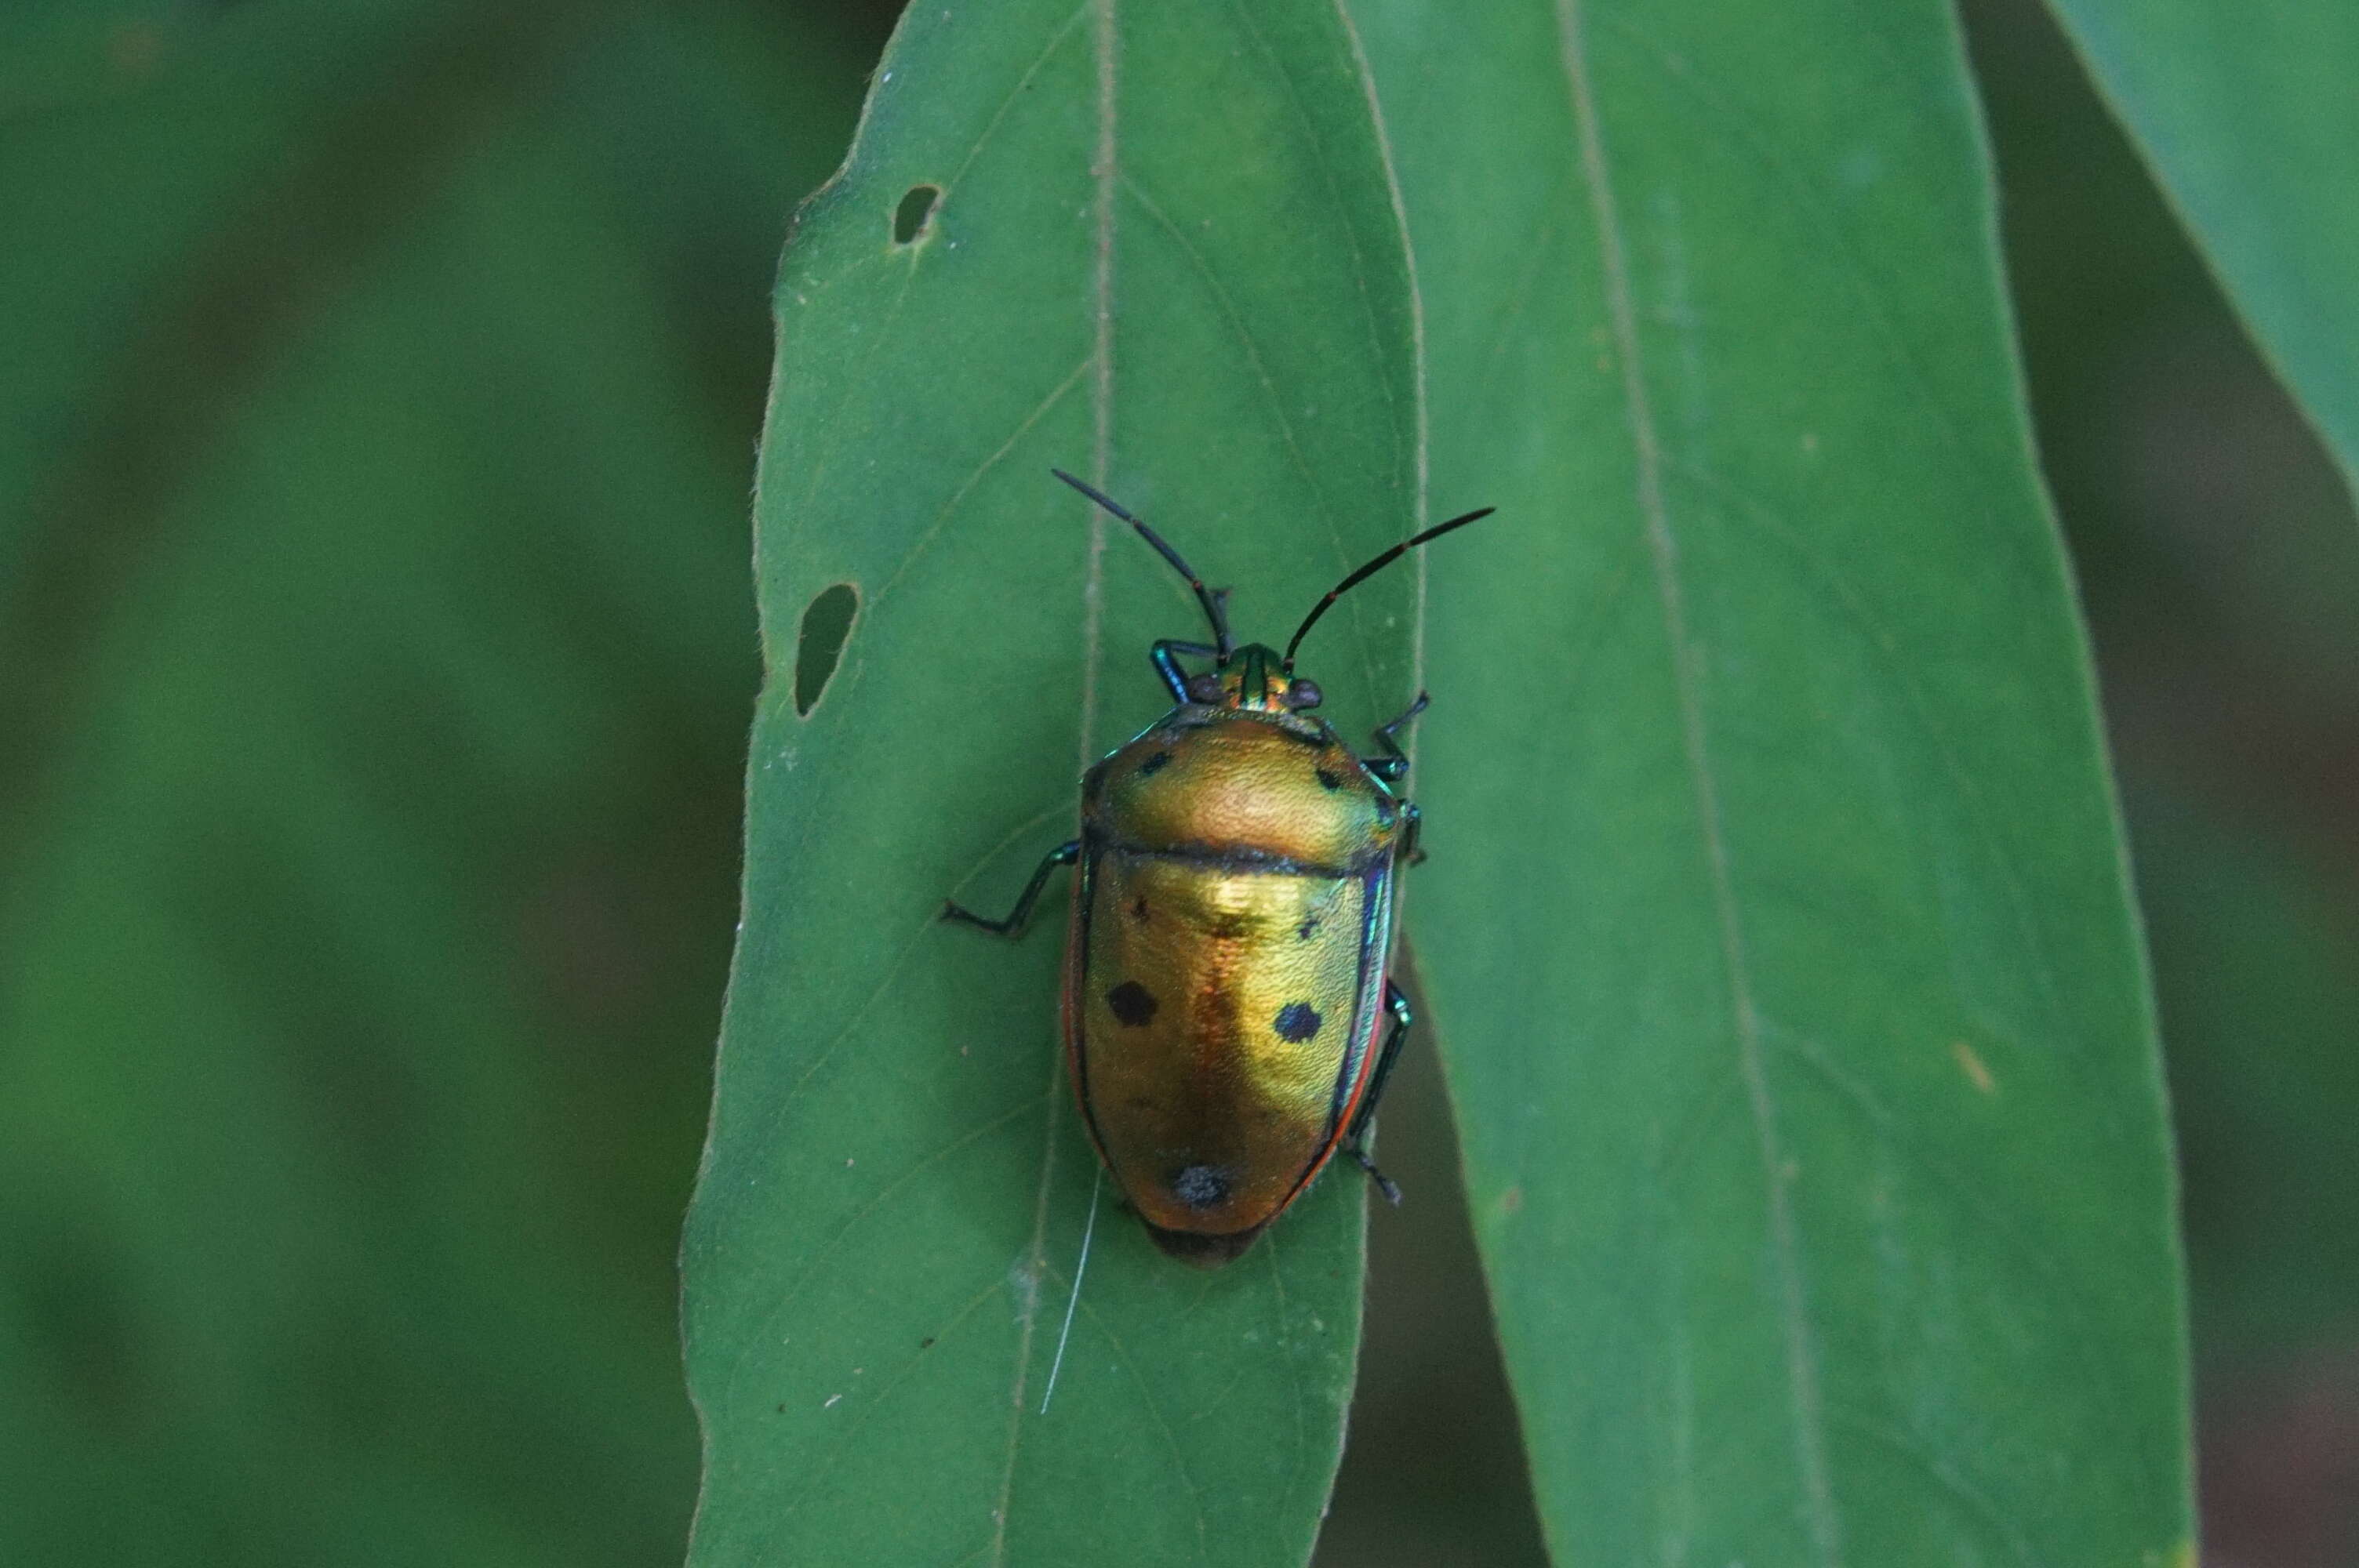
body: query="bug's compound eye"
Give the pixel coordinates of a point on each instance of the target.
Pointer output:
(1204, 688)
(1304, 693)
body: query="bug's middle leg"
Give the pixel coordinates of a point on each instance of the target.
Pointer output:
(1393, 766)
(1397, 1004)
(1064, 854)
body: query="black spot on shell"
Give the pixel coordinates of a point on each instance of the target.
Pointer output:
(1330, 780)
(1309, 929)
(1297, 1021)
(1154, 764)
(1199, 1187)
(1133, 1004)
(1138, 907)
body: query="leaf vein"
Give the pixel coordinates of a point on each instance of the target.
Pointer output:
(866, 1413)
(1420, 408)
(1262, 378)
(1102, 170)
(892, 973)
(883, 1195)
(1802, 1381)
(958, 497)
(1163, 1423)
(1293, 1372)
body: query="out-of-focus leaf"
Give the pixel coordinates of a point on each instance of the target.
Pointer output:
(2219, 570)
(2259, 966)
(2199, 501)
(2246, 116)
(1777, 918)
(1162, 250)
(58, 52)
(378, 652)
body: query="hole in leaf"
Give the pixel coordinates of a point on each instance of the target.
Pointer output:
(910, 218)
(827, 621)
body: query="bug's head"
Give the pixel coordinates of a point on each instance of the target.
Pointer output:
(1256, 677)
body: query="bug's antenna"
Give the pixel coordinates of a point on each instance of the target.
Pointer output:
(1371, 569)
(1204, 596)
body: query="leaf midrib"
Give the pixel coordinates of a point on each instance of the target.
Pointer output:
(1802, 1383)
(1102, 170)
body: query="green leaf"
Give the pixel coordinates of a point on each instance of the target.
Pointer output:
(1159, 250)
(2247, 117)
(1776, 917)
(376, 651)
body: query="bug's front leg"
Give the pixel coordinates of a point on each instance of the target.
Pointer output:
(1393, 766)
(1165, 655)
(1018, 918)
(1397, 1004)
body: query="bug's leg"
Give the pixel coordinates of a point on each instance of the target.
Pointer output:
(1062, 855)
(1397, 1005)
(1393, 766)
(1384, 1184)
(1166, 656)
(1412, 830)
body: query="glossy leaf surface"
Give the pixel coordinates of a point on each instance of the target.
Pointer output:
(1157, 247)
(1794, 1013)
(2247, 117)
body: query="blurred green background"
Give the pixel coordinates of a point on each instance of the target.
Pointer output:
(377, 401)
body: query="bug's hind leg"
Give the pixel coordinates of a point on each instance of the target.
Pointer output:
(1384, 1184)
(1393, 766)
(1397, 1005)
(1062, 855)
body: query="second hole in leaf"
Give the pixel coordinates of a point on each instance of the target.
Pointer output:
(827, 622)
(917, 206)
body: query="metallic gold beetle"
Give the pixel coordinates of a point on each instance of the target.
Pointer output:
(1232, 923)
